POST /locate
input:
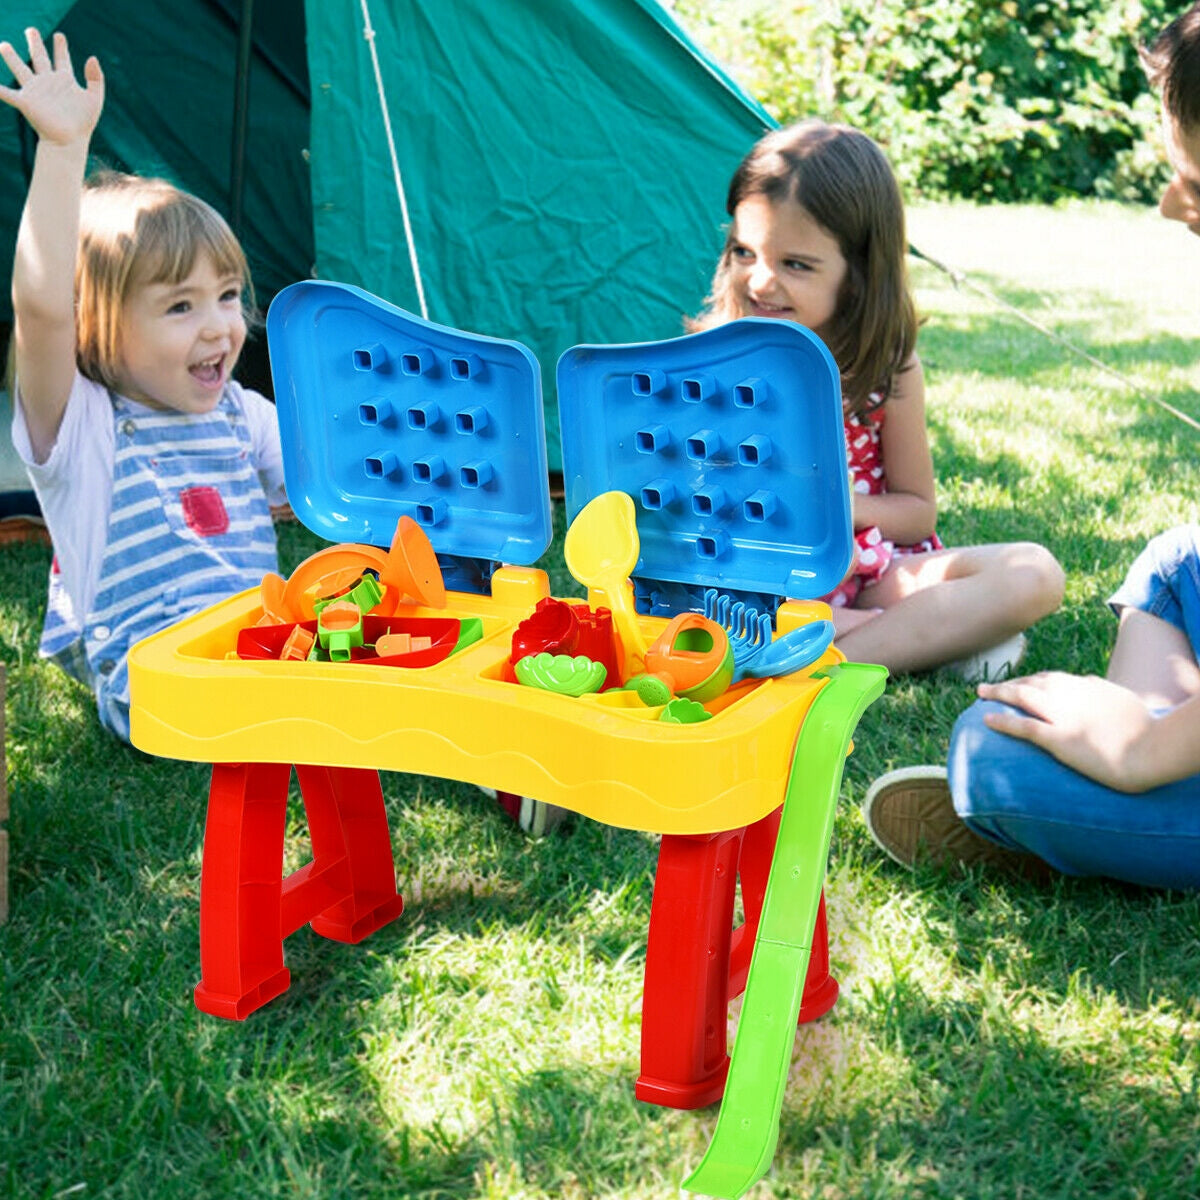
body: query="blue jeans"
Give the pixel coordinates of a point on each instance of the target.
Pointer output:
(1165, 581)
(1015, 794)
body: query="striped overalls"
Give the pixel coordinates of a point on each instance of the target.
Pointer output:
(189, 526)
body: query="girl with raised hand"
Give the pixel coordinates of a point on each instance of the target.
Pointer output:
(155, 471)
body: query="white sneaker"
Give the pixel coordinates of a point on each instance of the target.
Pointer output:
(991, 665)
(535, 817)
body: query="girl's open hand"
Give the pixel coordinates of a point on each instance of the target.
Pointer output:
(48, 95)
(1089, 723)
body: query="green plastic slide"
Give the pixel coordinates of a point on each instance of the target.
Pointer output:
(747, 1131)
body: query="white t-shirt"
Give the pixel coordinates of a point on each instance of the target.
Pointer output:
(74, 484)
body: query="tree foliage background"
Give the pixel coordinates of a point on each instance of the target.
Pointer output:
(986, 99)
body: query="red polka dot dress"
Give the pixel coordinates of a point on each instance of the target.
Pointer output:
(864, 456)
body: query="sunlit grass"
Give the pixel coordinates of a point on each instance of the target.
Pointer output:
(992, 1039)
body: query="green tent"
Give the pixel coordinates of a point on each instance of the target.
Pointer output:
(563, 162)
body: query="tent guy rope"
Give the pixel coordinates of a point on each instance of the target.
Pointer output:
(960, 279)
(369, 35)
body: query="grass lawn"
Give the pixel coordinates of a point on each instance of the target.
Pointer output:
(993, 1039)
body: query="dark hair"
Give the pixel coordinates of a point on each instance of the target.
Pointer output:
(1172, 64)
(842, 179)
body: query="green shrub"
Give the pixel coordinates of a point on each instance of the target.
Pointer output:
(1018, 100)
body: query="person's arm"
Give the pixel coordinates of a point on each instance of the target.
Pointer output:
(907, 512)
(1100, 729)
(63, 115)
(263, 420)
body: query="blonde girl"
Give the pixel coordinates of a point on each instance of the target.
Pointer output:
(155, 471)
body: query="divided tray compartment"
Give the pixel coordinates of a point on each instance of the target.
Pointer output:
(730, 442)
(383, 414)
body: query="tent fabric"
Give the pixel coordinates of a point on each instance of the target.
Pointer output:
(170, 72)
(564, 162)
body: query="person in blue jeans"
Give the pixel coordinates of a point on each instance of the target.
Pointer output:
(1083, 775)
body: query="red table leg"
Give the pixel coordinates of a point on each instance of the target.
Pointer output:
(352, 844)
(247, 908)
(695, 961)
(241, 877)
(685, 996)
(754, 868)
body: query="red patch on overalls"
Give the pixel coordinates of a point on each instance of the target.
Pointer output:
(204, 511)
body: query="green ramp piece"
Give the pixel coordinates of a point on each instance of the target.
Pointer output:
(747, 1131)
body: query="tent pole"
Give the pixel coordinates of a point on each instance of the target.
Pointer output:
(241, 111)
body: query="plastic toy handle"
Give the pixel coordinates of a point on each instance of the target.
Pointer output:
(601, 551)
(793, 652)
(747, 1130)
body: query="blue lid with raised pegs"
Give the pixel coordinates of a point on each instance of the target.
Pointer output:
(730, 442)
(383, 415)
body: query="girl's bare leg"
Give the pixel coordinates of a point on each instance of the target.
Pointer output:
(943, 606)
(1153, 659)
(846, 619)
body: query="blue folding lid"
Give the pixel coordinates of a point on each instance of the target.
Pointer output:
(383, 415)
(731, 443)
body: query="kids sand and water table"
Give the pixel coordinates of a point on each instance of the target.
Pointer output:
(694, 694)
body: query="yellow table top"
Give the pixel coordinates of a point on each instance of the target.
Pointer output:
(462, 719)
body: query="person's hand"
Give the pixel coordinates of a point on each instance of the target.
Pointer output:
(48, 96)
(1090, 724)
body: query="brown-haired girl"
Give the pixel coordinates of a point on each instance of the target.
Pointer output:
(154, 470)
(817, 237)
